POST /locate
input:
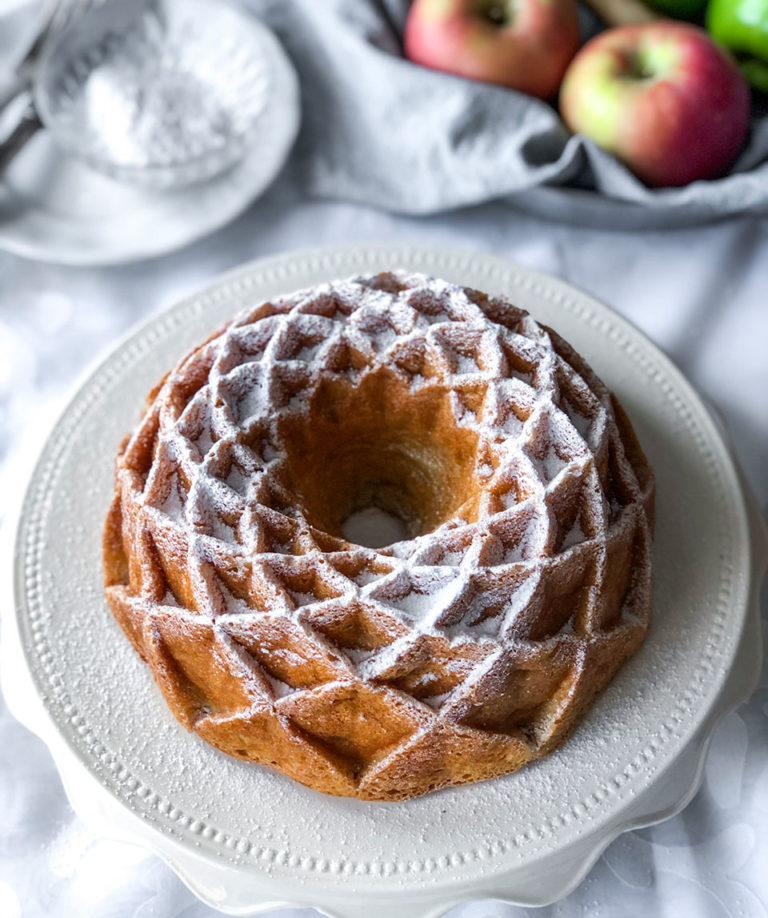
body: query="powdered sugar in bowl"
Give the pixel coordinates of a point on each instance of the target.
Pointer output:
(162, 96)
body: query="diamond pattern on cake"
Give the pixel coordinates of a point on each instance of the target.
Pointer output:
(459, 653)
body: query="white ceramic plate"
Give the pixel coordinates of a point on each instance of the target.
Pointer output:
(56, 209)
(246, 838)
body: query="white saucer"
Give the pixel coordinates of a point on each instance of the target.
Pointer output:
(247, 839)
(56, 209)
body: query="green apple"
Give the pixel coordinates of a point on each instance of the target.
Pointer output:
(742, 27)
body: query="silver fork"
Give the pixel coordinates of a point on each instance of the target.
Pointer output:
(55, 15)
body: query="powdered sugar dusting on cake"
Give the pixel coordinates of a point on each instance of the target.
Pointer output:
(517, 575)
(270, 366)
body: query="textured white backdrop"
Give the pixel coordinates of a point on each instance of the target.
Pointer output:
(702, 294)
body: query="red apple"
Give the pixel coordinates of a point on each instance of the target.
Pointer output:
(523, 44)
(663, 97)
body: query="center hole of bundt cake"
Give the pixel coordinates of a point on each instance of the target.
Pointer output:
(374, 528)
(376, 462)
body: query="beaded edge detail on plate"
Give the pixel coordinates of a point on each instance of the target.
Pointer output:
(141, 799)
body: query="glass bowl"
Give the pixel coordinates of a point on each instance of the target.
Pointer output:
(160, 93)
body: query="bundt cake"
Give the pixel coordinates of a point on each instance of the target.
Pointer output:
(458, 653)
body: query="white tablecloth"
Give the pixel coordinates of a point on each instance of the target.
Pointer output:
(702, 294)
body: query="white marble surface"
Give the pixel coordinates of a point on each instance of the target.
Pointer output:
(699, 293)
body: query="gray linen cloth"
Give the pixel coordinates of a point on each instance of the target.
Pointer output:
(383, 131)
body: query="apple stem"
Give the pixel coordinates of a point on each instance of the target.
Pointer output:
(622, 12)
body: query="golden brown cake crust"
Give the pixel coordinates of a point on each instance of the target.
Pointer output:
(458, 654)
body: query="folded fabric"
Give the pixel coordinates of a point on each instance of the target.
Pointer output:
(383, 131)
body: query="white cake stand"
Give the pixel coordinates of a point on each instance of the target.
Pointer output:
(247, 839)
